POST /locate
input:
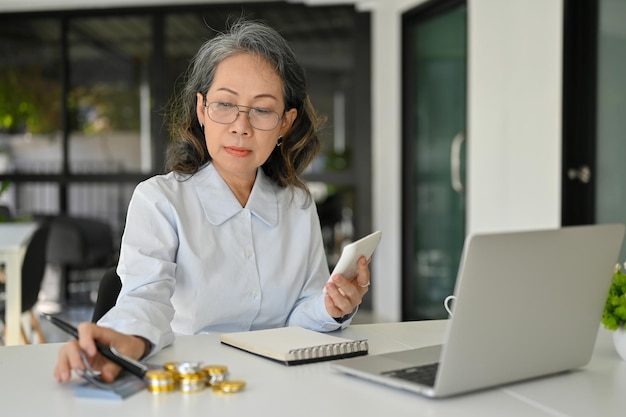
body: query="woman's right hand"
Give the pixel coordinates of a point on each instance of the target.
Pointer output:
(70, 358)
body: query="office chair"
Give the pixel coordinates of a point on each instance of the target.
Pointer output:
(79, 244)
(33, 270)
(330, 212)
(5, 214)
(108, 290)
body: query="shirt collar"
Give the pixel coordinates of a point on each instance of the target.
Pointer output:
(220, 204)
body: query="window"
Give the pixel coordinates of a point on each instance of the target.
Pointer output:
(83, 93)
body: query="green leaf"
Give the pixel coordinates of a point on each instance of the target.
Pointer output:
(4, 186)
(614, 314)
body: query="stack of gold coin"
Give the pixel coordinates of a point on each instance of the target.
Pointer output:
(190, 383)
(160, 381)
(191, 378)
(173, 368)
(215, 373)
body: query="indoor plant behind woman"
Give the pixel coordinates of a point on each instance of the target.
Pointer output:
(614, 316)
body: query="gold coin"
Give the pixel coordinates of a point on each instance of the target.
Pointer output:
(215, 369)
(229, 386)
(171, 366)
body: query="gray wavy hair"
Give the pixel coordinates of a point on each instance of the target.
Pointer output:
(187, 150)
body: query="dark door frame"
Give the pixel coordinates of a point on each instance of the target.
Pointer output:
(579, 122)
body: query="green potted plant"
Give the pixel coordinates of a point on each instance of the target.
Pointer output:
(614, 315)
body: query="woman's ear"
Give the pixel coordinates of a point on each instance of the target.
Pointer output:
(288, 118)
(200, 108)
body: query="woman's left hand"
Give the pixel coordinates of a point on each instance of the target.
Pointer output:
(343, 295)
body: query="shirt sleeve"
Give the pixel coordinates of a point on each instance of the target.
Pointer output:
(147, 269)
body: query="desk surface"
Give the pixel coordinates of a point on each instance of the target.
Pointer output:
(13, 240)
(28, 388)
(15, 235)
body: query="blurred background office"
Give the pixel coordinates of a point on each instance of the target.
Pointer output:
(445, 117)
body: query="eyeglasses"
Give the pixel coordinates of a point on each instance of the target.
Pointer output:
(226, 113)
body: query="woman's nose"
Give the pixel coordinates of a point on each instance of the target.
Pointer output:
(242, 123)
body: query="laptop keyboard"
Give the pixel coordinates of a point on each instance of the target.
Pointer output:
(423, 374)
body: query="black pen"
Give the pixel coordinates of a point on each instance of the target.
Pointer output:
(134, 367)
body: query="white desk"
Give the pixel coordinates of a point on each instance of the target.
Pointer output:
(27, 387)
(13, 240)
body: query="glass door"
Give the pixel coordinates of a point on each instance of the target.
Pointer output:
(434, 120)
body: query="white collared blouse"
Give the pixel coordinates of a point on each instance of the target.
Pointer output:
(193, 260)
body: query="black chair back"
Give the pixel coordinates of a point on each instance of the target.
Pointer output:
(108, 290)
(34, 266)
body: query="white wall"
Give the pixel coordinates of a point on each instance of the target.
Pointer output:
(514, 126)
(386, 158)
(514, 114)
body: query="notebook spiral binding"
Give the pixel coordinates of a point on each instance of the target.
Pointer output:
(338, 350)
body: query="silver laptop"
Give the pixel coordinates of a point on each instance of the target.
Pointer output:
(528, 304)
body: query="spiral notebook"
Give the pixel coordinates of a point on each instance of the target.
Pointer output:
(295, 345)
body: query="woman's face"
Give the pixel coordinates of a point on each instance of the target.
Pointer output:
(238, 149)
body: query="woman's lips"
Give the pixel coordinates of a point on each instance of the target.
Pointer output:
(238, 152)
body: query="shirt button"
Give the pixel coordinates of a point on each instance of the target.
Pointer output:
(249, 254)
(245, 213)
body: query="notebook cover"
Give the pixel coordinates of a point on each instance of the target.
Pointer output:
(295, 345)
